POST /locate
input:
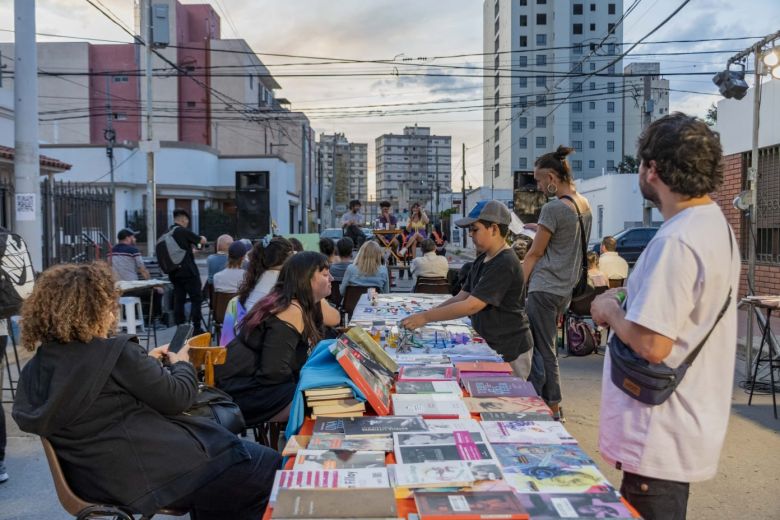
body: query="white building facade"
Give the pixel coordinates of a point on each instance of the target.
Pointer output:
(645, 99)
(548, 87)
(346, 164)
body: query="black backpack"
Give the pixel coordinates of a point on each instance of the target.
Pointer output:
(17, 276)
(169, 254)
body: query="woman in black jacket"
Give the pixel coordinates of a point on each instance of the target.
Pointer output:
(114, 413)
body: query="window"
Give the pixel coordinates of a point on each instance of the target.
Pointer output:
(576, 28)
(610, 166)
(541, 101)
(119, 116)
(495, 135)
(541, 60)
(523, 20)
(592, 145)
(592, 8)
(611, 87)
(541, 81)
(522, 122)
(610, 146)
(495, 30)
(576, 107)
(495, 63)
(122, 79)
(611, 69)
(495, 116)
(592, 164)
(541, 142)
(522, 61)
(495, 83)
(611, 127)
(611, 47)
(541, 19)
(592, 27)
(522, 82)
(541, 39)
(495, 100)
(190, 104)
(577, 9)
(495, 169)
(541, 122)
(610, 8)
(610, 28)
(524, 41)
(592, 47)
(541, 2)
(592, 105)
(591, 125)
(610, 106)
(576, 126)
(523, 163)
(592, 85)
(577, 47)
(496, 152)
(523, 143)
(592, 66)
(577, 145)
(496, 45)
(578, 86)
(576, 67)
(576, 165)
(522, 101)
(523, 2)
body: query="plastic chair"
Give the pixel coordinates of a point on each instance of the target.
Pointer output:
(79, 507)
(131, 314)
(351, 297)
(432, 285)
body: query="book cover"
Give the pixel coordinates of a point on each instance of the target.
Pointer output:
(328, 392)
(430, 405)
(329, 503)
(527, 432)
(571, 505)
(451, 425)
(469, 505)
(340, 405)
(338, 459)
(428, 387)
(364, 339)
(336, 414)
(295, 443)
(515, 416)
(374, 388)
(430, 447)
(507, 404)
(499, 387)
(327, 425)
(485, 470)
(333, 478)
(365, 358)
(489, 367)
(427, 373)
(342, 442)
(381, 426)
(552, 479)
(520, 457)
(431, 475)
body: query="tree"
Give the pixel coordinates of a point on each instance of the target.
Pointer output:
(629, 164)
(711, 117)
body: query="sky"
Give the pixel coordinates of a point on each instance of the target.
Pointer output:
(420, 32)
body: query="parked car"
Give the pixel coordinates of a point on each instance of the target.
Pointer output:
(631, 242)
(334, 234)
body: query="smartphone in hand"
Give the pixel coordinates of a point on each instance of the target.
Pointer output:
(183, 333)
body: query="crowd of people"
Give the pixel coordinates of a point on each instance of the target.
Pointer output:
(100, 398)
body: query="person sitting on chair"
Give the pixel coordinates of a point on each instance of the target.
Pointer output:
(218, 261)
(429, 265)
(265, 359)
(610, 262)
(351, 222)
(328, 249)
(367, 270)
(415, 230)
(230, 278)
(344, 248)
(115, 415)
(440, 238)
(265, 262)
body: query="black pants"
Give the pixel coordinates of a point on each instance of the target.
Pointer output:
(656, 499)
(183, 287)
(240, 493)
(3, 343)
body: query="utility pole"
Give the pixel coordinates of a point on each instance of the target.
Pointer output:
(305, 180)
(110, 135)
(647, 112)
(151, 185)
(463, 187)
(27, 165)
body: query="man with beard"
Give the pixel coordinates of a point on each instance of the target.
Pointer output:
(351, 222)
(674, 296)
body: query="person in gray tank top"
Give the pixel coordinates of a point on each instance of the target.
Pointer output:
(552, 267)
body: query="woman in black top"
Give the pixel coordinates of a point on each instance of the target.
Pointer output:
(265, 359)
(114, 414)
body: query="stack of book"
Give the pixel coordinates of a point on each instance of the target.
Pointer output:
(333, 402)
(371, 374)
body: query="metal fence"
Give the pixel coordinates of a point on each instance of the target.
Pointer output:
(76, 222)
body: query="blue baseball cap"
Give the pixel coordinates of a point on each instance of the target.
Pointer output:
(488, 210)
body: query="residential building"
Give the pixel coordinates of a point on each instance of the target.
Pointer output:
(413, 167)
(645, 99)
(555, 81)
(345, 162)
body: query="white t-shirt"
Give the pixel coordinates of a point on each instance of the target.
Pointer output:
(263, 287)
(677, 289)
(613, 265)
(229, 280)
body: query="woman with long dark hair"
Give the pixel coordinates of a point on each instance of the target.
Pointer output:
(265, 262)
(276, 335)
(552, 267)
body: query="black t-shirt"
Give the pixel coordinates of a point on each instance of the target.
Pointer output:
(186, 239)
(502, 323)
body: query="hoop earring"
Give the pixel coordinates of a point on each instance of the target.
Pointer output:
(554, 189)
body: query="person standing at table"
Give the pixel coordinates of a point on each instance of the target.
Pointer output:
(493, 292)
(686, 277)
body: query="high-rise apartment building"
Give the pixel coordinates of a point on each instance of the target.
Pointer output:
(346, 163)
(413, 167)
(553, 83)
(645, 99)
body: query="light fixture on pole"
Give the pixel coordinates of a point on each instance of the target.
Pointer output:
(731, 83)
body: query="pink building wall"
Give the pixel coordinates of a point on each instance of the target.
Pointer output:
(122, 85)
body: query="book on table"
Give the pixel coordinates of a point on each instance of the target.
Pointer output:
(428, 387)
(295, 443)
(451, 473)
(520, 458)
(328, 425)
(328, 392)
(552, 479)
(427, 373)
(430, 406)
(453, 425)
(527, 432)
(507, 404)
(375, 387)
(324, 441)
(324, 504)
(483, 367)
(369, 426)
(469, 505)
(515, 416)
(338, 459)
(364, 339)
(339, 405)
(441, 446)
(498, 387)
(329, 478)
(365, 358)
(575, 505)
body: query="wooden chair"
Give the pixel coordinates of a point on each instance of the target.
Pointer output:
(219, 304)
(351, 297)
(80, 508)
(616, 282)
(335, 294)
(432, 285)
(202, 354)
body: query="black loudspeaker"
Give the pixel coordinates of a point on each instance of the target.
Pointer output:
(252, 202)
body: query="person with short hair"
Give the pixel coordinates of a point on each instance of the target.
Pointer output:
(125, 258)
(186, 279)
(230, 278)
(595, 277)
(367, 270)
(351, 221)
(492, 295)
(297, 245)
(218, 261)
(344, 248)
(429, 265)
(610, 262)
(328, 249)
(686, 276)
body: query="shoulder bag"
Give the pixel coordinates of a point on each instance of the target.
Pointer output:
(212, 403)
(581, 291)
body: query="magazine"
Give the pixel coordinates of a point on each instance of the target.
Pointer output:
(527, 432)
(553, 479)
(507, 404)
(334, 478)
(521, 457)
(452, 425)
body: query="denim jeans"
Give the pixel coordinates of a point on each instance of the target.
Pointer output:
(656, 499)
(543, 310)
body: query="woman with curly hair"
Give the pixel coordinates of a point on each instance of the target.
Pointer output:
(113, 413)
(265, 359)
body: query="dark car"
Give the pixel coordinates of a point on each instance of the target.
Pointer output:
(631, 242)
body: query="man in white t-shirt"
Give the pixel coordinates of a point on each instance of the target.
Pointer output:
(674, 295)
(429, 265)
(610, 262)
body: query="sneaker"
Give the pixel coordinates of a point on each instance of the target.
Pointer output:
(3, 472)
(558, 416)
